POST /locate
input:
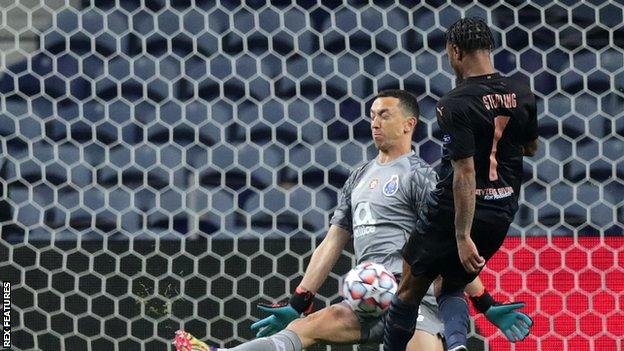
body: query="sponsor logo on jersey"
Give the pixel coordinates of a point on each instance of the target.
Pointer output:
(494, 193)
(391, 186)
(373, 183)
(363, 221)
(446, 139)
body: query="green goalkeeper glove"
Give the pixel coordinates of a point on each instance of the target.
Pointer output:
(282, 314)
(514, 324)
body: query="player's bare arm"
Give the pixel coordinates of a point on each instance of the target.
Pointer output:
(464, 186)
(475, 287)
(324, 257)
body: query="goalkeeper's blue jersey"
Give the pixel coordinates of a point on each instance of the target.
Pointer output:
(379, 205)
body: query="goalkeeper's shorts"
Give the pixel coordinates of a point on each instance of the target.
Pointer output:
(371, 328)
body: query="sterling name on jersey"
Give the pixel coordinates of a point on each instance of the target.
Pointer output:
(489, 118)
(379, 204)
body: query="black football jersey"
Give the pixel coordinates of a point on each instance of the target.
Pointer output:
(489, 118)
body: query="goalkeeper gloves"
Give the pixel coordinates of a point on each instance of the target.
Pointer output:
(282, 314)
(514, 324)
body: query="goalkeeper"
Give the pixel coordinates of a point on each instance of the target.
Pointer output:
(377, 207)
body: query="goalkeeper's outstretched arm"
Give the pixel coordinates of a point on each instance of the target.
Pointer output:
(323, 258)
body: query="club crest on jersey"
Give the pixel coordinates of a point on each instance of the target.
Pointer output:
(391, 186)
(446, 139)
(373, 183)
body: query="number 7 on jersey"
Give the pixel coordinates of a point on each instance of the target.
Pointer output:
(500, 123)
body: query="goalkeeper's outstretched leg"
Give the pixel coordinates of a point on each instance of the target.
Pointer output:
(337, 324)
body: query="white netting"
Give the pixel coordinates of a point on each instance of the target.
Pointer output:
(170, 164)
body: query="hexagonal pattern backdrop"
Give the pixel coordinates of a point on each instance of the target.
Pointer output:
(169, 164)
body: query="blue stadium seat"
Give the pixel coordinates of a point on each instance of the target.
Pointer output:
(107, 133)
(325, 199)
(261, 134)
(250, 201)
(560, 148)
(351, 155)
(93, 198)
(143, 22)
(17, 193)
(209, 224)
(117, 22)
(171, 112)
(119, 68)
(300, 198)
(67, 21)
(69, 154)
(273, 156)
(131, 222)
(144, 68)
(106, 43)
(16, 107)
(119, 199)
(261, 178)
(587, 148)
(249, 157)
(196, 112)
(42, 152)
(7, 125)
(169, 67)
(82, 175)
(145, 156)
(170, 156)
(197, 157)
(561, 193)
(92, 21)
(106, 221)
(325, 154)
(300, 156)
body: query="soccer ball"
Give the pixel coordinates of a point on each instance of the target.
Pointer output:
(368, 289)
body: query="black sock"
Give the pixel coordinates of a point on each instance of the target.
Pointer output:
(400, 324)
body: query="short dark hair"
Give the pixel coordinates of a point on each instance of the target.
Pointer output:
(407, 100)
(470, 34)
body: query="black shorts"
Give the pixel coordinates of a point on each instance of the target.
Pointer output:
(432, 248)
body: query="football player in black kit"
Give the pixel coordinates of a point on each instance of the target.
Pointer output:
(488, 123)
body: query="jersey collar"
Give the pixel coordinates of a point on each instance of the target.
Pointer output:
(412, 152)
(482, 77)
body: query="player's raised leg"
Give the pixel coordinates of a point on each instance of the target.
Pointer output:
(401, 316)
